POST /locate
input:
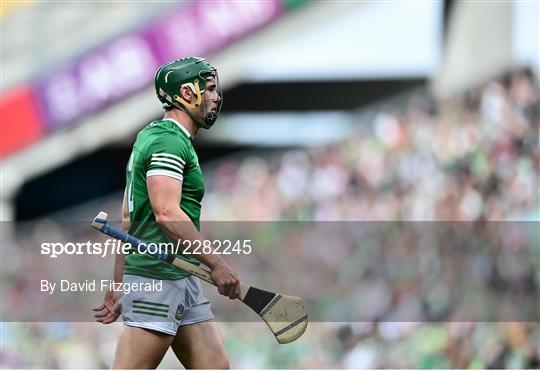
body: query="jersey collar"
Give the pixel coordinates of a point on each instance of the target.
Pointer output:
(179, 125)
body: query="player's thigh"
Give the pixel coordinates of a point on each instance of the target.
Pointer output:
(200, 345)
(140, 348)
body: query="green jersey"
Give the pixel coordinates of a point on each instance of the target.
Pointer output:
(162, 148)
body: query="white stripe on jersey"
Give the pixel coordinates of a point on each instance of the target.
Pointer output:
(168, 155)
(163, 159)
(171, 174)
(170, 166)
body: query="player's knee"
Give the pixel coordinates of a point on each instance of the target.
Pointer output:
(220, 361)
(223, 364)
(215, 363)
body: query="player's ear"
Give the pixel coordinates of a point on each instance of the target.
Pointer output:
(186, 93)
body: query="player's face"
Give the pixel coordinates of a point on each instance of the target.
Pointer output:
(211, 95)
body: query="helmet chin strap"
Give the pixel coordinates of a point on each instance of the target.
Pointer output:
(210, 118)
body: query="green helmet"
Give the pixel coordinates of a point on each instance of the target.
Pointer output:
(193, 72)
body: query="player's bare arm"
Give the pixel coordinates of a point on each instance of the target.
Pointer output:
(165, 194)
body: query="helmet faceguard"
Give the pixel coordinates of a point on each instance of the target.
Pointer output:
(192, 72)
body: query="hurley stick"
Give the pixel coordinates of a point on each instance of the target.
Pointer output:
(285, 315)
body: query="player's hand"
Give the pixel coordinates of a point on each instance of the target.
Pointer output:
(226, 279)
(110, 310)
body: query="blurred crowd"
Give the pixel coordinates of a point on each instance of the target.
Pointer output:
(473, 158)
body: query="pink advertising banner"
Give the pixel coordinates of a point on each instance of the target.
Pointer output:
(127, 64)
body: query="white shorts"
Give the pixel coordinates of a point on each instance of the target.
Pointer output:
(178, 303)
